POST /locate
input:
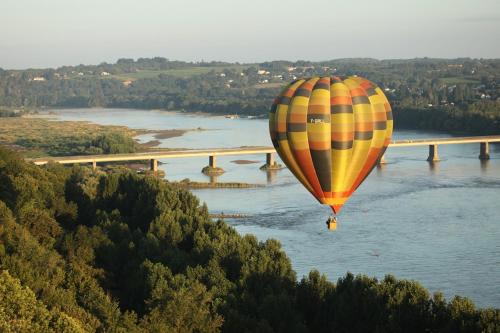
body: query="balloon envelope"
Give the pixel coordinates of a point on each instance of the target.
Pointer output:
(330, 132)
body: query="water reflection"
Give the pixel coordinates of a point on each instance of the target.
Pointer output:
(484, 165)
(213, 178)
(434, 166)
(271, 176)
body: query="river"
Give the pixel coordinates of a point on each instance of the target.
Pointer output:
(437, 224)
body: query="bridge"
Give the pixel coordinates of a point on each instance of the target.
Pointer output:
(154, 156)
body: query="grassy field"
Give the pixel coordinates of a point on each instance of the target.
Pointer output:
(457, 80)
(146, 74)
(179, 72)
(270, 85)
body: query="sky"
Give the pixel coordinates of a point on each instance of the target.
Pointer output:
(52, 33)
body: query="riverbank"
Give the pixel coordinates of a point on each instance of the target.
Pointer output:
(45, 135)
(228, 216)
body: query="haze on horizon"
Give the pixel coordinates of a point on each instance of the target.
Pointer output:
(53, 33)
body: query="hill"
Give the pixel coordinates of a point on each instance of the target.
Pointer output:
(89, 252)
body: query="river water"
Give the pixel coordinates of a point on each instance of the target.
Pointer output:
(437, 224)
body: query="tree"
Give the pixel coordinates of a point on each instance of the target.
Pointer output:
(130, 253)
(20, 311)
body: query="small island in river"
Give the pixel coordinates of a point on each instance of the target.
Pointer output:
(187, 183)
(244, 162)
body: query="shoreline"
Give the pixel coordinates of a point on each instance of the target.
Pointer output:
(158, 134)
(47, 111)
(242, 115)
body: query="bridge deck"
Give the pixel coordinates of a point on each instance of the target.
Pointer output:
(238, 151)
(445, 141)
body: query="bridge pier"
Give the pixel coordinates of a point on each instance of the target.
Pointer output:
(271, 163)
(94, 165)
(211, 169)
(153, 165)
(212, 161)
(484, 152)
(433, 153)
(269, 159)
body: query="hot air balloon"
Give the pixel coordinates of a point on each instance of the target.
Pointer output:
(330, 132)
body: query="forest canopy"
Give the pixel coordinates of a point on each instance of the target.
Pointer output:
(83, 251)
